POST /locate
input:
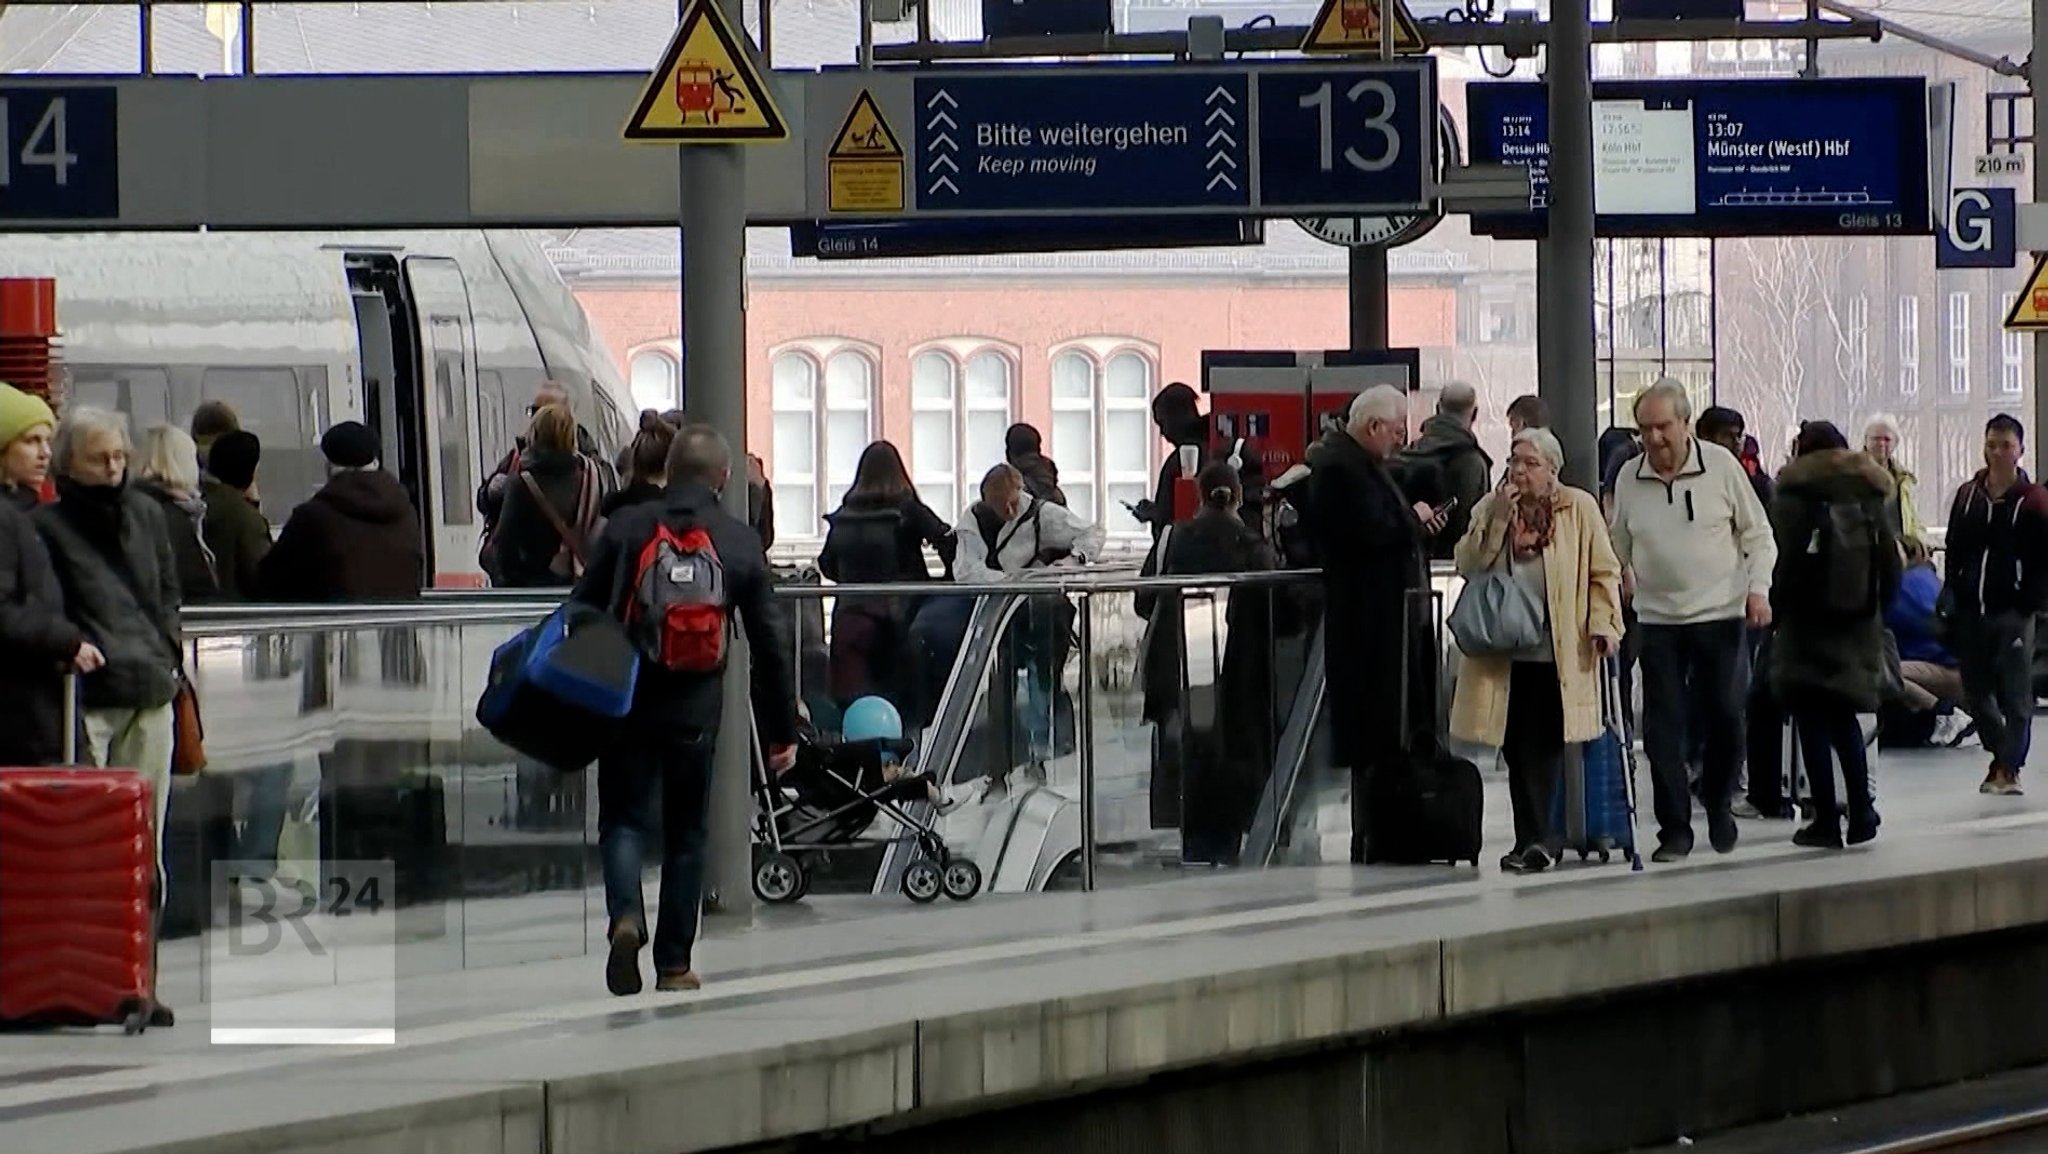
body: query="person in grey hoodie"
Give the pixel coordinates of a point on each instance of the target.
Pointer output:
(1448, 447)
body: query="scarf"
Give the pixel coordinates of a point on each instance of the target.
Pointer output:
(1535, 519)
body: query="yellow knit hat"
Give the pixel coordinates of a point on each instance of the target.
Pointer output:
(20, 412)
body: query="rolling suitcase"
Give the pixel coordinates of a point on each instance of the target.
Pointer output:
(1427, 806)
(78, 872)
(1595, 809)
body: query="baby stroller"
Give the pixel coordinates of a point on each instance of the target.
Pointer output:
(835, 793)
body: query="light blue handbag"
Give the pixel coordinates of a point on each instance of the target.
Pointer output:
(1496, 615)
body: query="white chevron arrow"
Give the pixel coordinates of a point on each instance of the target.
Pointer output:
(946, 182)
(944, 119)
(1225, 137)
(943, 141)
(1223, 179)
(1220, 114)
(940, 95)
(1220, 91)
(1220, 158)
(943, 160)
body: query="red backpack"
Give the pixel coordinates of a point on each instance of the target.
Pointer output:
(678, 612)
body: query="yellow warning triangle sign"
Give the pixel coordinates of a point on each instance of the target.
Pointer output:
(865, 135)
(706, 90)
(2029, 312)
(1353, 27)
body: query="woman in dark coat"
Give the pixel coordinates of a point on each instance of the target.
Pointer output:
(38, 644)
(167, 472)
(1208, 768)
(1370, 539)
(643, 465)
(877, 537)
(526, 550)
(1827, 664)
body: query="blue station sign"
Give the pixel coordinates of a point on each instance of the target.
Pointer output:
(1276, 140)
(59, 153)
(1829, 157)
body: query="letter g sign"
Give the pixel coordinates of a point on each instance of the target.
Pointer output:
(1980, 230)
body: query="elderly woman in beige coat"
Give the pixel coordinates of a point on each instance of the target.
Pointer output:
(1553, 540)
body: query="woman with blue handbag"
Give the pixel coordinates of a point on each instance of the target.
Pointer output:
(1540, 611)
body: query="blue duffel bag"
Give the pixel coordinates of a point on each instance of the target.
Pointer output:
(558, 691)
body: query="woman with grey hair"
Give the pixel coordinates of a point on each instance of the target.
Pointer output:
(1553, 540)
(167, 471)
(1881, 440)
(113, 559)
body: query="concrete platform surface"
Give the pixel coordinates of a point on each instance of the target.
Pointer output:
(863, 1009)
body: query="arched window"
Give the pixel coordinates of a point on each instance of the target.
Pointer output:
(824, 417)
(1102, 436)
(958, 415)
(653, 381)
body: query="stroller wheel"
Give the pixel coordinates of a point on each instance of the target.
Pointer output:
(962, 879)
(922, 882)
(778, 879)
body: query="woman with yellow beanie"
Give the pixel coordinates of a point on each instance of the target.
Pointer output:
(38, 644)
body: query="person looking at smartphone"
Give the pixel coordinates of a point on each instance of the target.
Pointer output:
(1449, 447)
(1371, 542)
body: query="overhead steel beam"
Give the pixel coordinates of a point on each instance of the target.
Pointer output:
(2002, 65)
(1520, 35)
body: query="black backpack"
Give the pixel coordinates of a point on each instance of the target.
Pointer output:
(864, 543)
(994, 539)
(1837, 571)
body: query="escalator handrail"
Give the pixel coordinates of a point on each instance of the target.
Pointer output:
(1290, 756)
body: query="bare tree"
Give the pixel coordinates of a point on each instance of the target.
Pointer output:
(1764, 329)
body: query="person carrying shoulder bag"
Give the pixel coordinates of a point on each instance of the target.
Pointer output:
(551, 510)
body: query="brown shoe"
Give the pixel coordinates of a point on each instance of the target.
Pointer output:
(622, 964)
(679, 982)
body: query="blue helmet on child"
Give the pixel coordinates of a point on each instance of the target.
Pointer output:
(871, 719)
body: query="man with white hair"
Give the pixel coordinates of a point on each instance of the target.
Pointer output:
(1370, 541)
(1693, 537)
(1447, 463)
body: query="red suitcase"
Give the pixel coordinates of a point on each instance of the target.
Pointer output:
(77, 875)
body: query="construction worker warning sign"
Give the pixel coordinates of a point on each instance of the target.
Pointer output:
(706, 89)
(2030, 309)
(1353, 27)
(864, 170)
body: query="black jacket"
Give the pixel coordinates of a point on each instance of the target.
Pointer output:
(197, 580)
(357, 539)
(1828, 661)
(239, 536)
(37, 642)
(1447, 444)
(114, 560)
(671, 701)
(526, 540)
(1371, 549)
(637, 493)
(1997, 556)
(1041, 477)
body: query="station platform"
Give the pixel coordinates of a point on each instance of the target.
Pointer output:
(857, 1012)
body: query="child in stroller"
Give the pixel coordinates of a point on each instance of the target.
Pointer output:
(833, 795)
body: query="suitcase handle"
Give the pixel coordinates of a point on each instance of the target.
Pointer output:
(70, 717)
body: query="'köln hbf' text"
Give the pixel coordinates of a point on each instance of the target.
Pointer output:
(1042, 141)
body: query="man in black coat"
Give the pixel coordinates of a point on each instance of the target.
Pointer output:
(1372, 543)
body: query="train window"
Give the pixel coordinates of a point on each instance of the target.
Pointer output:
(457, 474)
(493, 414)
(142, 395)
(271, 403)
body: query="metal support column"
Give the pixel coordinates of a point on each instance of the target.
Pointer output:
(2036, 64)
(714, 242)
(1564, 260)
(1369, 299)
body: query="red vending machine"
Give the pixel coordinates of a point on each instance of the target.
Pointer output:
(1338, 377)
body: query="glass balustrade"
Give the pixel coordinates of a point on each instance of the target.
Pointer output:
(1087, 728)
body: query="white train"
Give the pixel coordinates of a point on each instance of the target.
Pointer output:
(437, 340)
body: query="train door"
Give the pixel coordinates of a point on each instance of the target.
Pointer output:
(447, 372)
(391, 390)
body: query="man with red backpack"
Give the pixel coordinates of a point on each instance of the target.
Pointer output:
(675, 572)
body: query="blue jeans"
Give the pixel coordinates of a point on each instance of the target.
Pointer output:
(656, 786)
(1827, 734)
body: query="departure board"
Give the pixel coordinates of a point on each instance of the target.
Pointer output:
(1830, 157)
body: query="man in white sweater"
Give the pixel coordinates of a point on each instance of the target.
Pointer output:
(1697, 547)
